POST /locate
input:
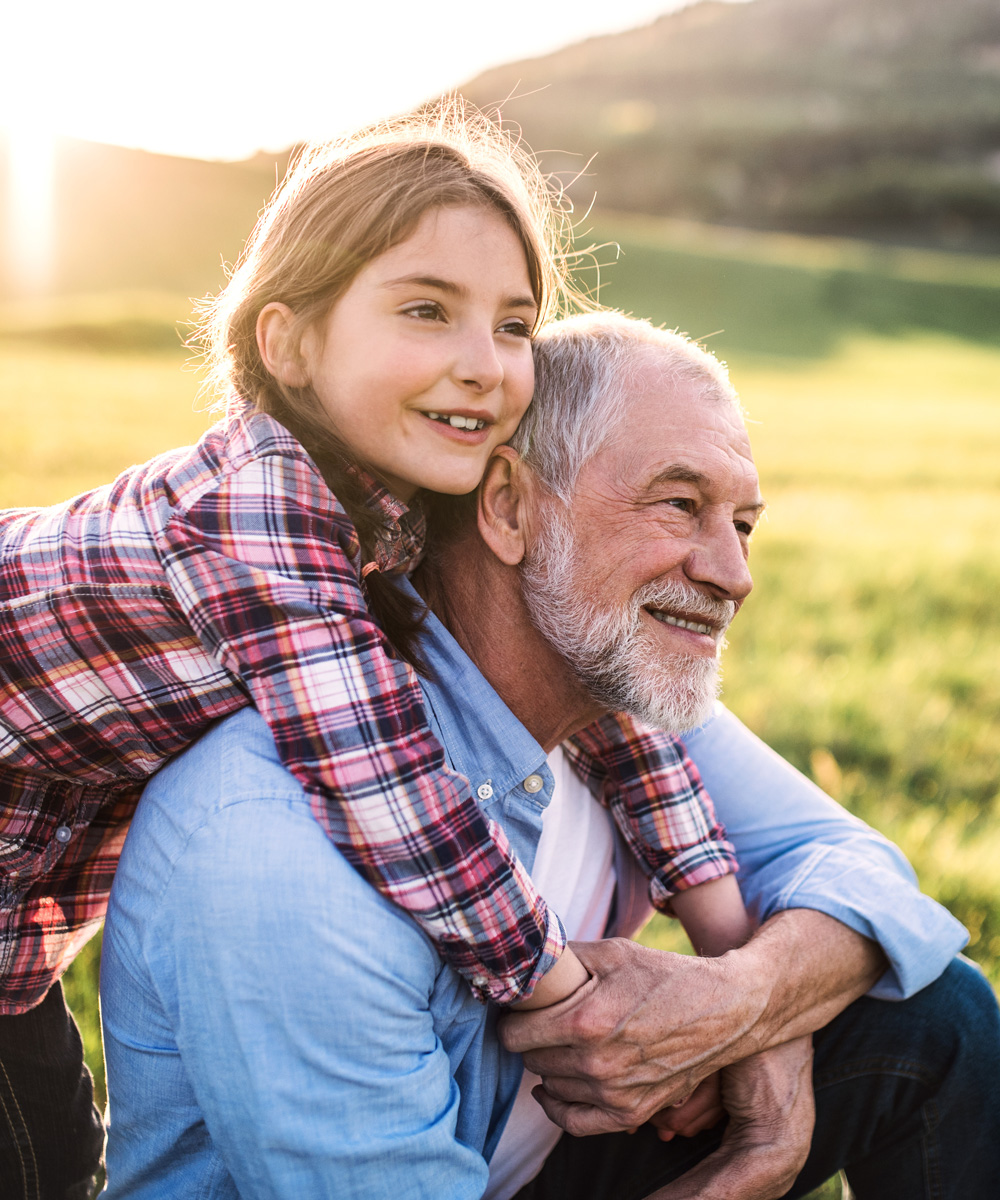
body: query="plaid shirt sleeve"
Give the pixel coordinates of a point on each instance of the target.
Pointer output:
(659, 803)
(262, 562)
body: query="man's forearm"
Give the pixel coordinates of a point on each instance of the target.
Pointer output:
(805, 968)
(797, 848)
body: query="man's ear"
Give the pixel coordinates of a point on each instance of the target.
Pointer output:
(504, 502)
(280, 350)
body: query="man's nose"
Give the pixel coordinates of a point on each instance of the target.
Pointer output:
(719, 562)
(477, 364)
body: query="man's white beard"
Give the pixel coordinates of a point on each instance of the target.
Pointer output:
(611, 652)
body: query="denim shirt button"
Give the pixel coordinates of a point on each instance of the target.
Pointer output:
(484, 791)
(63, 834)
(534, 783)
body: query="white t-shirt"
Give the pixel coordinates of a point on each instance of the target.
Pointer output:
(575, 871)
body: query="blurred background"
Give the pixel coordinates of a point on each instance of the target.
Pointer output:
(811, 186)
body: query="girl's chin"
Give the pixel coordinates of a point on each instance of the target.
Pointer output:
(451, 482)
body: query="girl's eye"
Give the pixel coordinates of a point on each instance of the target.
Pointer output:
(426, 310)
(517, 327)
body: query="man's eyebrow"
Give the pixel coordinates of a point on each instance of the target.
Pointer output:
(449, 287)
(679, 473)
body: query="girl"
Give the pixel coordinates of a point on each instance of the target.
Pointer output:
(373, 341)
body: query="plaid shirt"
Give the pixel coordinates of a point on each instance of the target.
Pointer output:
(227, 574)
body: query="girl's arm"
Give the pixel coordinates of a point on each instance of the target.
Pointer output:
(713, 916)
(262, 562)
(656, 796)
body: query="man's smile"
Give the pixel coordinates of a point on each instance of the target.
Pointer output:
(694, 626)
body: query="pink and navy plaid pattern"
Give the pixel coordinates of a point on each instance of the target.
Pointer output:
(227, 574)
(658, 801)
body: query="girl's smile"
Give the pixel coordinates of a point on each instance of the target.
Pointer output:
(424, 364)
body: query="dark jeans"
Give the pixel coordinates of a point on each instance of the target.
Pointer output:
(51, 1135)
(907, 1103)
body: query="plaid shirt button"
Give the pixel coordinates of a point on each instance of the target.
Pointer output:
(63, 834)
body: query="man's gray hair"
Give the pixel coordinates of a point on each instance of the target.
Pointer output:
(584, 369)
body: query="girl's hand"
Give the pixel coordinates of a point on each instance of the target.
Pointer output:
(701, 1110)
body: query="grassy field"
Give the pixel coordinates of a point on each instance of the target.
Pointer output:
(868, 652)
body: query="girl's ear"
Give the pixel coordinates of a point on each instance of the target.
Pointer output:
(504, 503)
(279, 349)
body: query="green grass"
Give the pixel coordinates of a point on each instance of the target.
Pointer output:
(867, 654)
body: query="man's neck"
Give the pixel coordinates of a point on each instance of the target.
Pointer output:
(478, 600)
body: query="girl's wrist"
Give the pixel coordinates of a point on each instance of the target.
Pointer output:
(565, 977)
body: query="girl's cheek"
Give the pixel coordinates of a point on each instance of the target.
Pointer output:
(522, 397)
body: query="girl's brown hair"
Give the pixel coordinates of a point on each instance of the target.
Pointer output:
(340, 206)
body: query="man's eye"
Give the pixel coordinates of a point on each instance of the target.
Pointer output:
(744, 527)
(517, 327)
(682, 503)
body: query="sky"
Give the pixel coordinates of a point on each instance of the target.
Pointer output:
(223, 78)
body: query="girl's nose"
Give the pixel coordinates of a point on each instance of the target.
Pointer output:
(478, 366)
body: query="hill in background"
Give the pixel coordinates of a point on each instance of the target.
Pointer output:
(844, 117)
(848, 117)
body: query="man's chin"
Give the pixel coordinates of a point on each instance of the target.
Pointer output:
(676, 695)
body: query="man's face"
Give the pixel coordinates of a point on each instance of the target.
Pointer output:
(636, 581)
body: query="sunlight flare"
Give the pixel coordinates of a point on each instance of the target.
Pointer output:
(31, 207)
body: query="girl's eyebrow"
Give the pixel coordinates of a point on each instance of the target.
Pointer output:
(454, 289)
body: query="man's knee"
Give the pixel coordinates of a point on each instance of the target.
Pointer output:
(908, 1093)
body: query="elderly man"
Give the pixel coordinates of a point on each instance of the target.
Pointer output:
(275, 1028)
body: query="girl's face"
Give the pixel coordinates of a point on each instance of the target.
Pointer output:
(424, 364)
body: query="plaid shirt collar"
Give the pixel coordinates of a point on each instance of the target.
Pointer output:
(401, 541)
(401, 544)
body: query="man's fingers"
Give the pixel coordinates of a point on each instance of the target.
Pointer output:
(540, 1027)
(581, 1120)
(561, 1061)
(572, 1090)
(630, 1105)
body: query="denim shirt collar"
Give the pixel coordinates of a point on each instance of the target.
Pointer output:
(483, 739)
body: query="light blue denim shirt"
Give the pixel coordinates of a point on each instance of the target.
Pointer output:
(275, 1028)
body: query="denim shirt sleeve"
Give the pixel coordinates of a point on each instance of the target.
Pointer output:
(797, 848)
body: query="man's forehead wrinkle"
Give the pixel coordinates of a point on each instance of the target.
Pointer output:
(679, 434)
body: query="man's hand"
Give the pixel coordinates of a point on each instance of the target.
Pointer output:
(649, 1026)
(769, 1099)
(639, 1036)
